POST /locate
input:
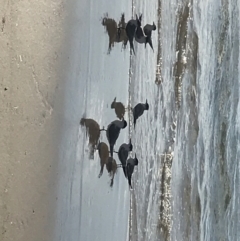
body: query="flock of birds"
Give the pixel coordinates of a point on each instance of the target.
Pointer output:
(133, 30)
(123, 32)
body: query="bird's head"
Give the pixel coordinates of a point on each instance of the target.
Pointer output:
(113, 103)
(154, 26)
(124, 124)
(136, 160)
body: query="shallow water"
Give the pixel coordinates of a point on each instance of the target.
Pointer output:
(199, 92)
(88, 209)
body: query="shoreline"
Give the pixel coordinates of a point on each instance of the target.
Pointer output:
(31, 96)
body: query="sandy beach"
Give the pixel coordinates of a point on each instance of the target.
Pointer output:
(32, 39)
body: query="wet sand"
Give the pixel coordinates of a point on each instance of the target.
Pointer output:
(31, 37)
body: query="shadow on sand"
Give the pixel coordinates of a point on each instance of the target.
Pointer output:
(105, 159)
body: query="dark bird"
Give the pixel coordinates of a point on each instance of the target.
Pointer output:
(119, 108)
(132, 27)
(131, 163)
(123, 152)
(138, 111)
(145, 36)
(113, 131)
(93, 132)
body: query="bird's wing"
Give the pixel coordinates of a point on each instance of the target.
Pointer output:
(130, 169)
(138, 110)
(123, 155)
(125, 171)
(113, 133)
(147, 30)
(139, 32)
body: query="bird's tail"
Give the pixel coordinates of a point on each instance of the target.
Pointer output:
(124, 171)
(134, 122)
(111, 150)
(132, 47)
(130, 182)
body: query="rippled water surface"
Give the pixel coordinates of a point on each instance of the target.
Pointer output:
(206, 166)
(200, 92)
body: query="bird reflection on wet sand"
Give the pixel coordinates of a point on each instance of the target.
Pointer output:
(103, 152)
(111, 168)
(93, 132)
(110, 163)
(111, 27)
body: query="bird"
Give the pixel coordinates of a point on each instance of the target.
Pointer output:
(132, 26)
(145, 36)
(123, 151)
(138, 111)
(119, 108)
(93, 132)
(131, 163)
(103, 152)
(112, 31)
(113, 131)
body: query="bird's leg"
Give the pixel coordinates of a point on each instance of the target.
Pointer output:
(103, 129)
(120, 28)
(119, 32)
(128, 108)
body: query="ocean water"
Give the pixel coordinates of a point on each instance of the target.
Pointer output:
(206, 167)
(193, 115)
(199, 94)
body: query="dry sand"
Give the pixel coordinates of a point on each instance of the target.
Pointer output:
(31, 42)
